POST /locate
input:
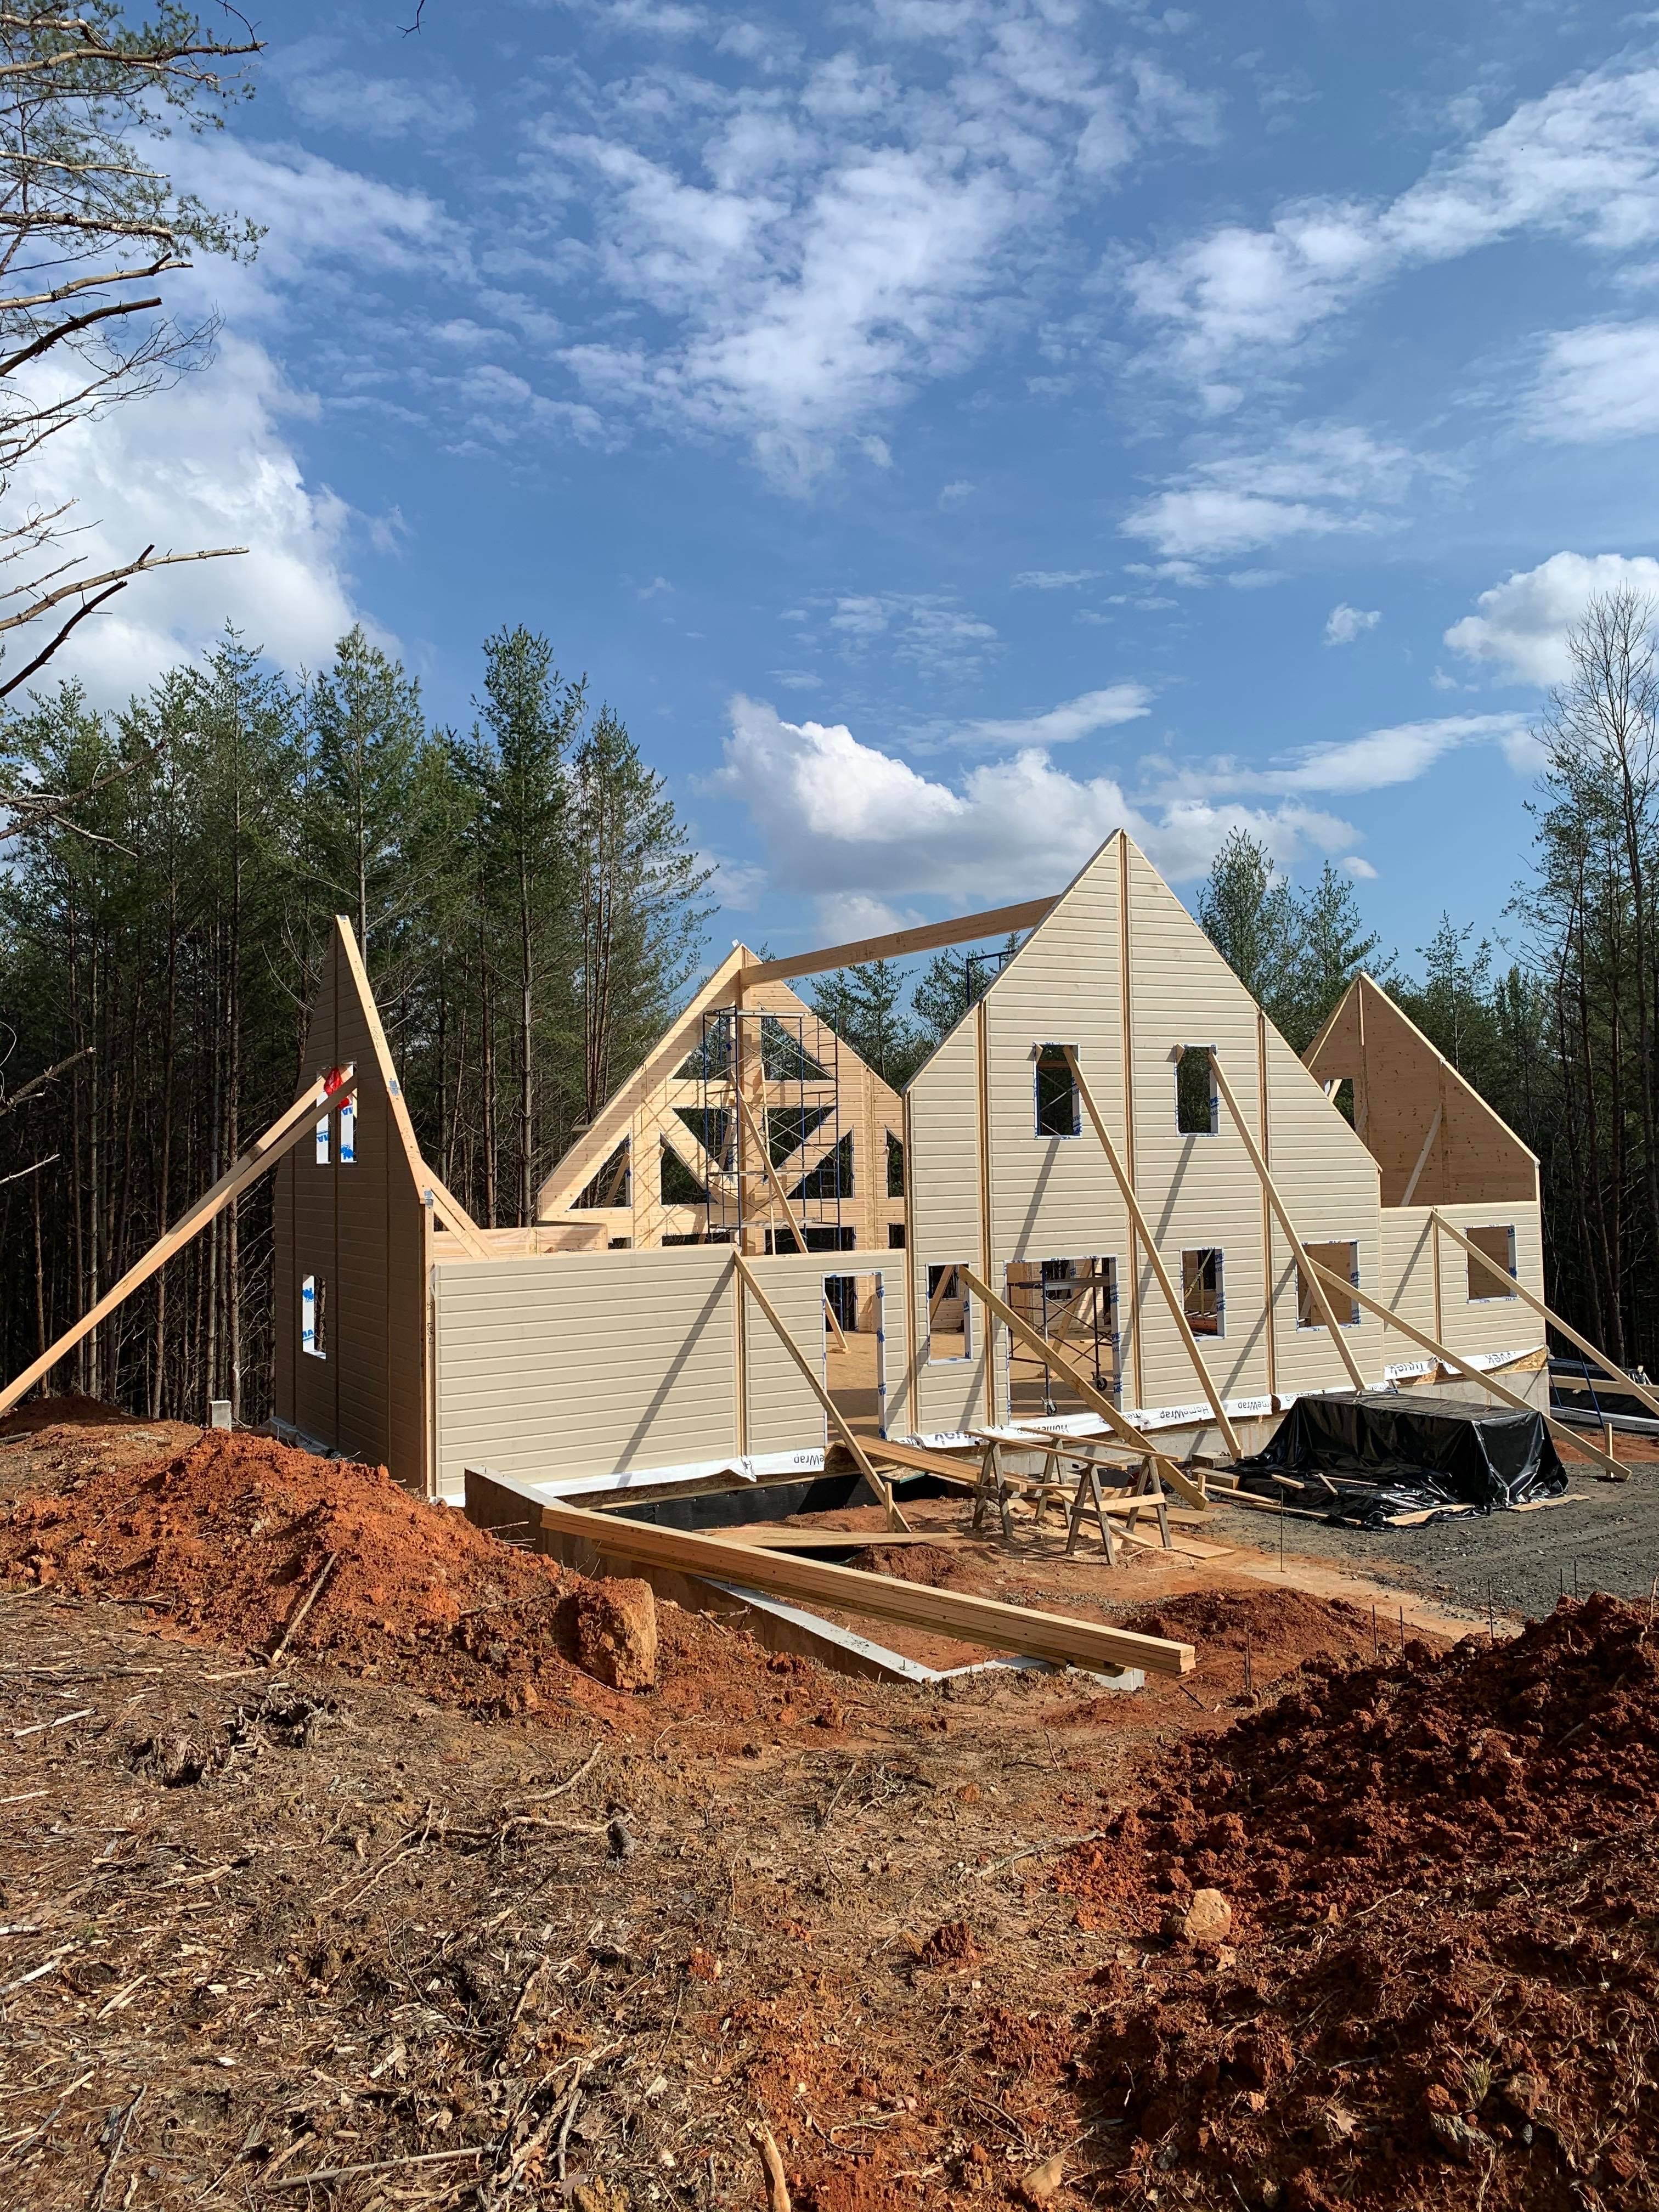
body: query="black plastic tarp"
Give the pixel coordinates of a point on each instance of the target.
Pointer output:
(1364, 1456)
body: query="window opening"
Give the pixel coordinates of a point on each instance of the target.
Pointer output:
(853, 1368)
(896, 1236)
(1342, 1258)
(1056, 1093)
(1498, 1245)
(348, 1131)
(679, 1186)
(1197, 1104)
(949, 1324)
(322, 1142)
(312, 1337)
(1202, 1293)
(832, 1178)
(1073, 1302)
(895, 1166)
(611, 1186)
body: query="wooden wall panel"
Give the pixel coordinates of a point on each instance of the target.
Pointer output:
(945, 1219)
(584, 1362)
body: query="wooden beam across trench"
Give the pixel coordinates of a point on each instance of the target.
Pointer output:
(1052, 1636)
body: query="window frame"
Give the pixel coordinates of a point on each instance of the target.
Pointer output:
(313, 1308)
(1310, 1245)
(965, 1357)
(1491, 1298)
(1055, 1054)
(1219, 1253)
(1177, 1061)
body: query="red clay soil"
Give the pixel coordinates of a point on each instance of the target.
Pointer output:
(1442, 1986)
(224, 1540)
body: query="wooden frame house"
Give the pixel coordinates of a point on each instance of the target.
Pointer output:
(1127, 1205)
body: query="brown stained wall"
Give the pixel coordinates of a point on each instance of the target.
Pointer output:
(359, 1230)
(1398, 1081)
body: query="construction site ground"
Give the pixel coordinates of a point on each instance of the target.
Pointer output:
(425, 1915)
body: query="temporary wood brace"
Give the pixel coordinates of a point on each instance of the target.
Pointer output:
(1051, 1355)
(966, 929)
(263, 1152)
(1177, 1309)
(1310, 1275)
(1487, 1381)
(833, 1413)
(781, 1197)
(881, 1597)
(1519, 1289)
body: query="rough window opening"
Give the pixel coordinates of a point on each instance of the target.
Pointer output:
(950, 1325)
(348, 1131)
(322, 1142)
(1201, 1295)
(1198, 1103)
(1057, 1112)
(1073, 1302)
(679, 1187)
(1498, 1245)
(821, 1236)
(833, 1175)
(1342, 1258)
(611, 1186)
(312, 1296)
(896, 1236)
(854, 1348)
(895, 1166)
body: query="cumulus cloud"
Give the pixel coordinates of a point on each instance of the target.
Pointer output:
(818, 248)
(1596, 384)
(206, 463)
(1580, 162)
(1344, 623)
(837, 818)
(1319, 480)
(1522, 627)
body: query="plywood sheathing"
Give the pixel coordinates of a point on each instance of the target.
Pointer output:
(1407, 1094)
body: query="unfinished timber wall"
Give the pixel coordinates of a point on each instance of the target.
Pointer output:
(350, 1232)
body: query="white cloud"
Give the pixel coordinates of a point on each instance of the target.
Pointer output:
(1344, 623)
(1580, 162)
(1381, 757)
(1523, 623)
(837, 817)
(203, 465)
(1320, 480)
(1053, 580)
(927, 628)
(378, 106)
(1596, 384)
(1360, 870)
(952, 495)
(819, 247)
(1063, 724)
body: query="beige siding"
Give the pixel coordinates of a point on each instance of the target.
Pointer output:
(783, 1413)
(584, 1363)
(945, 1219)
(1467, 1326)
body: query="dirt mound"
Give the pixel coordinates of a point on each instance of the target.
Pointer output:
(931, 1565)
(1277, 1624)
(1445, 1965)
(230, 1538)
(71, 1410)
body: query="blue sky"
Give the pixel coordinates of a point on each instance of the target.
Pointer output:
(945, 430)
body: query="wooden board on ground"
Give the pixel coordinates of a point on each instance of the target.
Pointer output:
(980, 1620)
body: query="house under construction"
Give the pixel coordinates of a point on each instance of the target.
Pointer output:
(1113, 1199)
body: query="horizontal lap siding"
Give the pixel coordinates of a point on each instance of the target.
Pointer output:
(1467, 1326)
(783, 1413)
(944, 1216)
(1056, 1198)
(584, 1362)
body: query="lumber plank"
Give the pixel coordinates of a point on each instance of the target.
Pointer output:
(1487, 1381)
(285, 1132)
(1178, 1310)
(833, 1414)
(929, 937)
(919, 1460)
(984, 1620)
(1097, 1402)
(1548, 1313)
(1285, 1221)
